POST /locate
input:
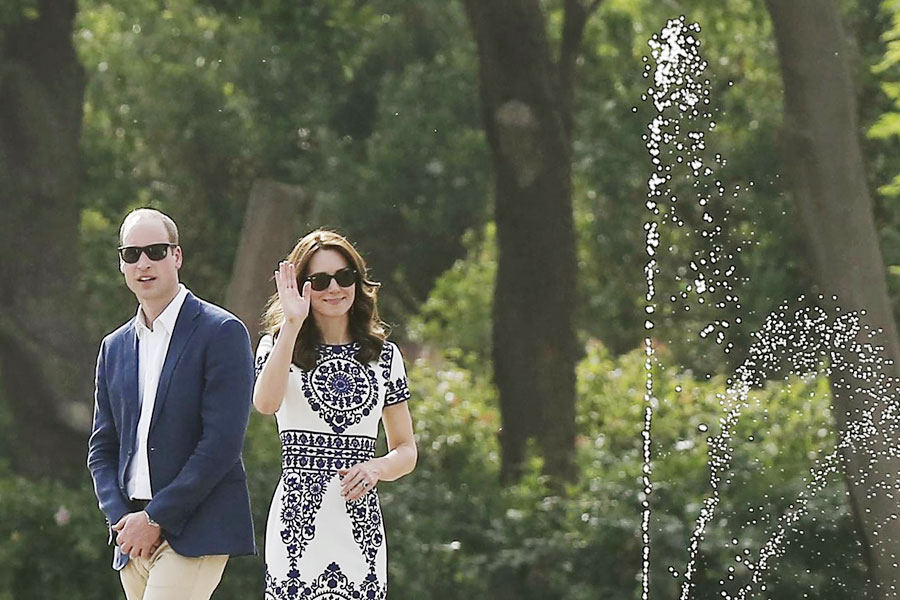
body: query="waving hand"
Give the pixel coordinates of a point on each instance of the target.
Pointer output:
(294, 305)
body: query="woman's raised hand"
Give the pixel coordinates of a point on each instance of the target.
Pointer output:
(294, 305)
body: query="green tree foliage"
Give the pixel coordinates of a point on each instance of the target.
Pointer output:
(454, 532)
(884, 140)
(786, 428)
(373, 108)
(612, 167)
(14, 11)
(456, 317)
(370, 107)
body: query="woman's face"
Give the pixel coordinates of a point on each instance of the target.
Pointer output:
(333, 301)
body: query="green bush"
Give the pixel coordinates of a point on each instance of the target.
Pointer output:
(457, 315)
(525, 543)
(454, 532)
(52, 543)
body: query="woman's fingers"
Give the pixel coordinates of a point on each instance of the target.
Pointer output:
(349, 480)
(356, 482)
(278, 285)
(352, 479)
(290, 276)
(289, 279)
(354, 494)
(286, 283)
(359, 490)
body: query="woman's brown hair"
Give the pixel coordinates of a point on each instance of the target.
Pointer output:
(365, 326)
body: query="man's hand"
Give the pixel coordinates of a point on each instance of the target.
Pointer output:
(136, 536)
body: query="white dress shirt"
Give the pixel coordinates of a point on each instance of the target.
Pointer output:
(153, 344)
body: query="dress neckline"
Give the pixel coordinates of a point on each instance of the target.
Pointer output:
(348, 344)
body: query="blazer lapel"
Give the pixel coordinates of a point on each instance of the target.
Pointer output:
(185, 325)
(131, 399)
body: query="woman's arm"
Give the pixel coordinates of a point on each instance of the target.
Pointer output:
(271, 384)
(400, 460)
(268, 392)
(403, 454)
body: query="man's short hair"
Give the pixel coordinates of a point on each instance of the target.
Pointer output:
(140, 213)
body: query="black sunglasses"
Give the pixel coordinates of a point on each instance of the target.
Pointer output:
(132, 254)
(345, 278)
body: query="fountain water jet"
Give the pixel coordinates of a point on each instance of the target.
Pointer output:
(807, 340)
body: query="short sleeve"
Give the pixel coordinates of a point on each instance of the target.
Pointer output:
(263, 349)
(396, 382)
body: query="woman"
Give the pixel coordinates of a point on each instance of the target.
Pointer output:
(326, 371)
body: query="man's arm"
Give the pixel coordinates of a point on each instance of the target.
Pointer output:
(225, 412)
(103, 449)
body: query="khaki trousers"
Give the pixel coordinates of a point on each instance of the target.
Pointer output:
(169, 576)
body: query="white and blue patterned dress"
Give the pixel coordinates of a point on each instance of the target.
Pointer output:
(318, 545)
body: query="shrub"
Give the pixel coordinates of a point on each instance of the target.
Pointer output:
(455, 532)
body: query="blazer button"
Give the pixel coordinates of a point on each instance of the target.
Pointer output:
(153, 449)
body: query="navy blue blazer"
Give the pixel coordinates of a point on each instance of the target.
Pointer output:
(196, 435)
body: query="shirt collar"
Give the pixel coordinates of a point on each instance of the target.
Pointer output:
(166, 318)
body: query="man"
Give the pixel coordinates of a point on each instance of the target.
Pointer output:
(172, 401)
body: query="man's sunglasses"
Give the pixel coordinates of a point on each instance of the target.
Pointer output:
(132, 254)
(345, 278)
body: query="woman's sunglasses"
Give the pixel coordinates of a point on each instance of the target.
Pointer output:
(132, 254)
(345, 278)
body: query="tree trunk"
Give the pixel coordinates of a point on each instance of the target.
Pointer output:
(527, 111)
(45, 360)
(273, 223)
(824, 161)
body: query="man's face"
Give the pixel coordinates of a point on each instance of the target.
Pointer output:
(152, 281)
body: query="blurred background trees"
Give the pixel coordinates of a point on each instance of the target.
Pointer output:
(44, 350)
(373, 113)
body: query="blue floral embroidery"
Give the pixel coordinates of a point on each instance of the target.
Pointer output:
(395, 391)
(339, 388)
(261, 362)
(310, 461)
(332, 584)
(303, 494)
(342, 391)
(366, 517)
(316, 451)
